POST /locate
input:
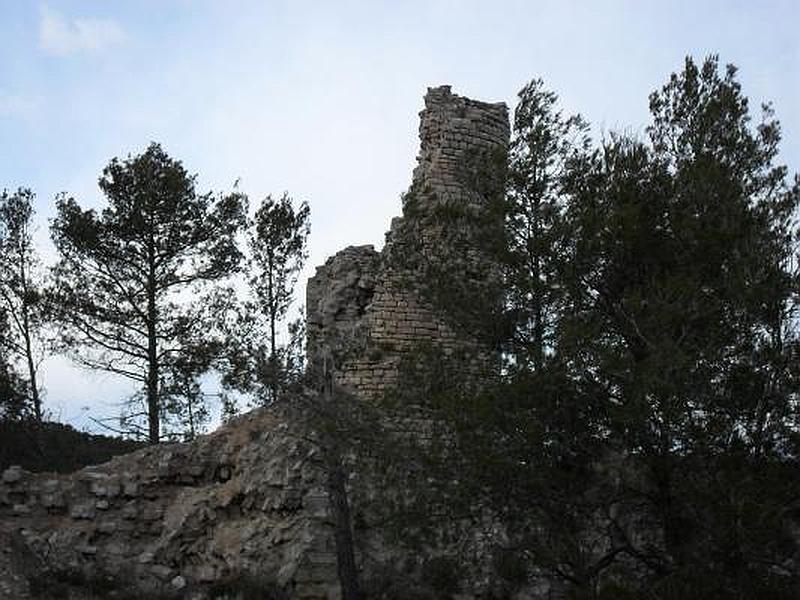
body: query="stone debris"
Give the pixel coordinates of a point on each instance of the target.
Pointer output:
(181, 526)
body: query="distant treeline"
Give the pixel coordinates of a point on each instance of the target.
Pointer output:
(56, 447)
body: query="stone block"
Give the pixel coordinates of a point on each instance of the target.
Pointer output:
(162, 572)
(21, 509)
(130, 489)
(52, 500)
(107, 527)
(12, 474)
(82, 510)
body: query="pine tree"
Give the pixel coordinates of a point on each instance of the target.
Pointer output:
(21, 292)
(258, 362)
(125, 275)
(543, 143)
(680, 317)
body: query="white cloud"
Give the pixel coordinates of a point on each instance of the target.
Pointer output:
(61, 36)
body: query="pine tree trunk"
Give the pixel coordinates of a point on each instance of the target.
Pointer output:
(35, 399)
(343, 533)
(26, 332)
(273, 317)
(153, 424)
(152, 387)
(337, 499)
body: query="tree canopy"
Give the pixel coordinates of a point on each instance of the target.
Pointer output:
(123, 271)
(21, 295)
(262, 358)
(645, 441)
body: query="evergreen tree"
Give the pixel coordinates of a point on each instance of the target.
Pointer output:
(258, 362)
(680, 317)
(21, 291)
(654, 452)
(542, 145)
(125, 275)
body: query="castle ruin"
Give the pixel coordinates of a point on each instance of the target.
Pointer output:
(251, 497)
(373, 301)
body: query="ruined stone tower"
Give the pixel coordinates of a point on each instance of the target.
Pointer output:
(368, 308)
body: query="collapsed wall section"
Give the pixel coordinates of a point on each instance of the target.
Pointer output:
(249, 498)
(337, 297)
(367, 310)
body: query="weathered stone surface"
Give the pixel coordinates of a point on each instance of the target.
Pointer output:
(12, 474)
(253, 520)
(338, 296)
(17, 565)
(82, 510)
(364, 307)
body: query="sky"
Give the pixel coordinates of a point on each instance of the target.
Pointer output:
(321, 99)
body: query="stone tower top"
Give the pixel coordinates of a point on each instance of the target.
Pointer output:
(369, 309)
(452, 128)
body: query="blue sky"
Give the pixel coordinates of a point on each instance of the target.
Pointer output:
(321, 98)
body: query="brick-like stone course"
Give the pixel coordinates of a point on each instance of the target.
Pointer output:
(367, 308)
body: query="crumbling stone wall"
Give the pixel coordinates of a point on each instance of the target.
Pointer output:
(368, 309)
(248, 498)
(338, 297)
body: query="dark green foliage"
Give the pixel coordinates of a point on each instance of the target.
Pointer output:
(680, 311)
(13, 405)
(679, 315)
(75, 584)
(68, 583)
(682, 262)
(512, 571)
(387, 583)
(442, 575)
(40, 447)
(437, 578)
(258, 362)
(21, 300)
(124, 275)
(543, 145)
(643, 439)
(520, 450)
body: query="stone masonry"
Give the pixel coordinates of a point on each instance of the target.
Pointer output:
(249, 498)
(364, 307)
